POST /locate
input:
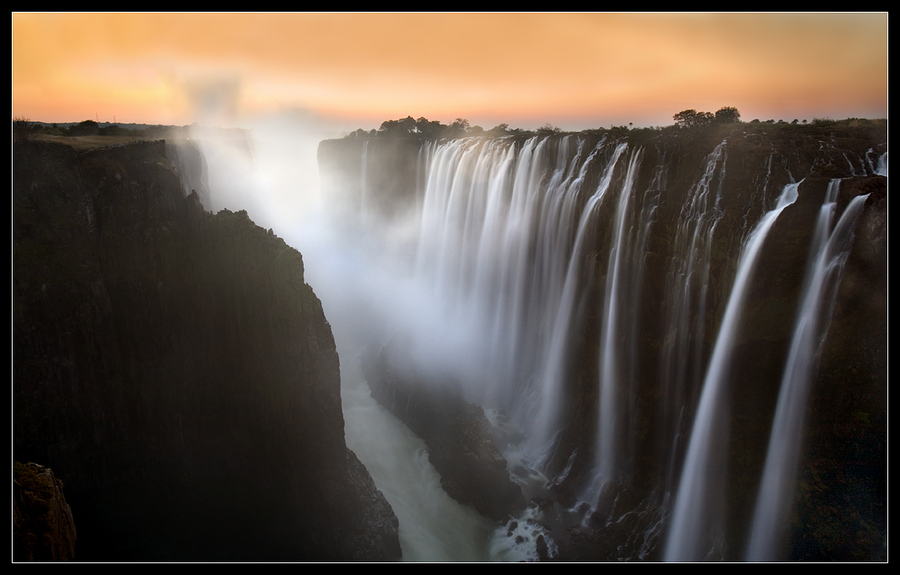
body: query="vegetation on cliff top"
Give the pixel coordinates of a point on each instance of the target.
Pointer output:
(687, 123)
(90, 134)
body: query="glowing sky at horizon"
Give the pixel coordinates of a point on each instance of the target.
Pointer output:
(573, 70)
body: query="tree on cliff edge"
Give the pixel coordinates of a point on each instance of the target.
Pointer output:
(692, 118)
(397, 128)
(728, 115)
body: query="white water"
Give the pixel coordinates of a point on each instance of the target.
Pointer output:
(561, 280)
(486, 204)
(827, 256)
(612, 353)
(682, 355)
(398, 461)
(556, 354)
(696, 520)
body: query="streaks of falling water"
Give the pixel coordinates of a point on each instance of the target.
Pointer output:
(828, 254)
(508, 236)
(696, 519)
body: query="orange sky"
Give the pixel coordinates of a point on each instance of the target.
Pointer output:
(572, 70)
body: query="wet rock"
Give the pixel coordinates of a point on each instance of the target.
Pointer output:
(457, 433)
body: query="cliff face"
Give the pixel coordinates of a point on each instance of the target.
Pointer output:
(669, 314)
(458, 435)
(43, 529)
(176, 370)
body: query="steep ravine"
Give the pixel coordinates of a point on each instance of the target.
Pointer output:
(175, 370)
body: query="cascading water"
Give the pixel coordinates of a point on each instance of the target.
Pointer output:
(688, 283)
(496, 241)
(566, 284)
(828, 253)
(562, 306)
(613, 378)
(695, 519)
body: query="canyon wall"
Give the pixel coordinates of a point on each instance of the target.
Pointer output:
(175, 370)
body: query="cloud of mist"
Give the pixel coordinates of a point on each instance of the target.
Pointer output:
(362, 271)
(214, 101)
(268, 168)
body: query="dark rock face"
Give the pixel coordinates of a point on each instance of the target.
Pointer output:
(175, 368)
(43, 528)
(457, 433)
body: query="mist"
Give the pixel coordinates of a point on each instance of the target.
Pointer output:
(362, 268)
(561, 283)
(363, 271)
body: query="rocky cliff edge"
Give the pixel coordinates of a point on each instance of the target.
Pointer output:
(176, 370)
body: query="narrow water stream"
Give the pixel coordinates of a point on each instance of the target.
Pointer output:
(433, 526)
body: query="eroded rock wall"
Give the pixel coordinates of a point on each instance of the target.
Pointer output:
(176, 370)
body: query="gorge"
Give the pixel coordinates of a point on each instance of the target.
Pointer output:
(175, 371)
(675, 339)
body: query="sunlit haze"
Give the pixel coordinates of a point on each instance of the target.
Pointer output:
(637, 316)
(297, 78)
(572, 70)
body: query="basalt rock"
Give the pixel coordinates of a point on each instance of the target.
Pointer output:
(176, 369)
(43, 527)
(458, 435)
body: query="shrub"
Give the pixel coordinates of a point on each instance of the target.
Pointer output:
(693, 118)
(86, 128)
(728, 115)
(23, 130)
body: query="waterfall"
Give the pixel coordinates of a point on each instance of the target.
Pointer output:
(827, 256)
(497, 247)
(581, 285)
(562, 308)
(613, 353)
(881, 168)
(696, 520)
(682, 355)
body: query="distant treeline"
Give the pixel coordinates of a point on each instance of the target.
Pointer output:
(25, 130)
(691, 120)
(432, 129)
(92, 128)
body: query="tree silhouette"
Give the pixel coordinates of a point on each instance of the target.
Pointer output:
(693, 118)
(429, 128)
(458, 128)
(548, 129)
(85, 128)
(728, 115)
(402, 127)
